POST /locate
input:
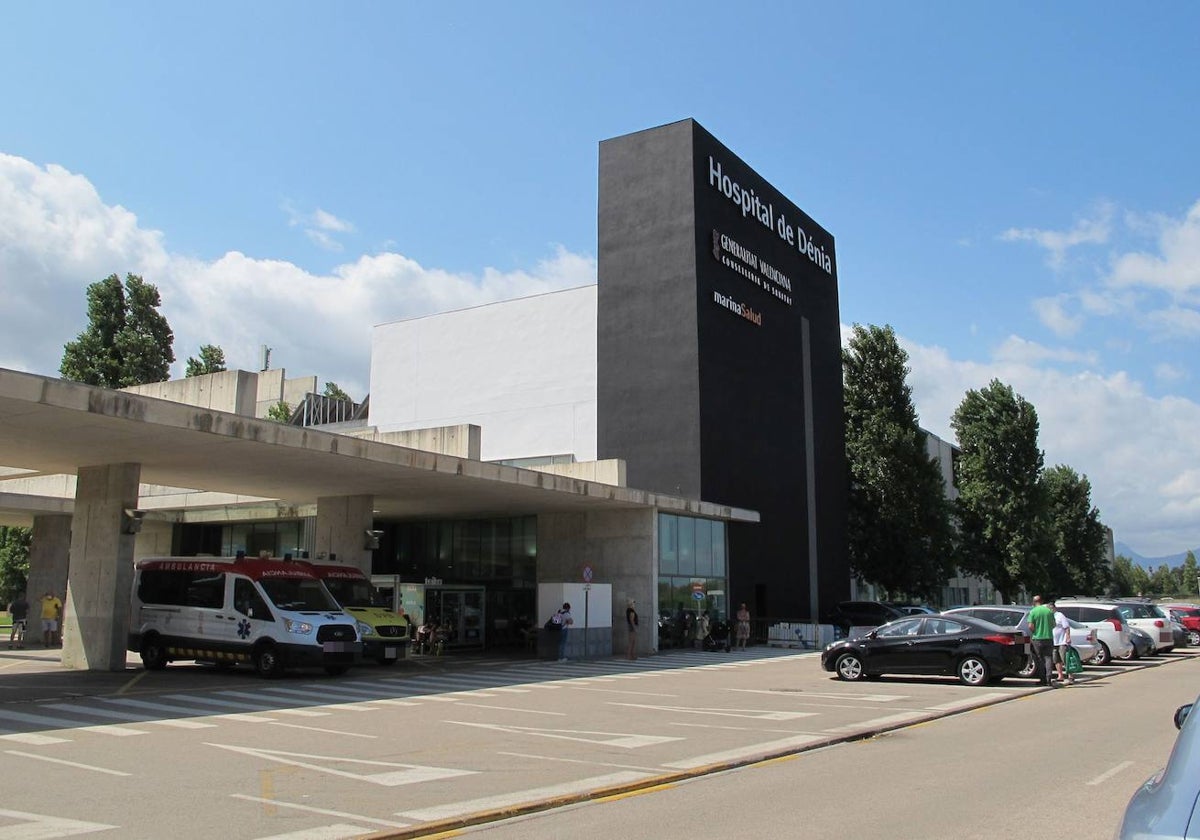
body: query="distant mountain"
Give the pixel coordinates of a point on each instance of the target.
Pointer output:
(1152, 563)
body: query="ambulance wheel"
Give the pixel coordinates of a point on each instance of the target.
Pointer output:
(336, 670)
(267, 661)
(154, 653)
(383, 660)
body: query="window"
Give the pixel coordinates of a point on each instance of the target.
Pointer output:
(943, 626)
(912, 627)
(248, 602)
(208, 591)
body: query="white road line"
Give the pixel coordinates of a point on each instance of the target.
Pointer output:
(1108, 774)
(338, 831)
(42, 827)
(610, 739)
(508, 800)
(973, 700)
(619, 691)
(902, 717)
(126, 716)
(748, 751)
(755, 714)
(801, 695)
(323, 698)
(74, 764)
(245, 695)
(33, 739)
(49, 722)
(275, 803)
(732, 728)
(187, 710)
(511, 709)
(540, 758)
(318, 729)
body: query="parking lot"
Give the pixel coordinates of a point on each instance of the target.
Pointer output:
(426, 744)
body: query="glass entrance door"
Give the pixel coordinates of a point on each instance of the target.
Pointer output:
(459, 614)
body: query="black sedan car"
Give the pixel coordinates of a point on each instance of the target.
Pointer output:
(975, 651)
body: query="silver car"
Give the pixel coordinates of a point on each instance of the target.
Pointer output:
(1164, 807)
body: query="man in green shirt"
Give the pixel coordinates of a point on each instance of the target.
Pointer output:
(1041, 634)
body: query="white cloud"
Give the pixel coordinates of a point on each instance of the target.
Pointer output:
(1175, 269)
(57, 236)
(319, 226)
(1165, 372)
(1086, 232)
(1051, 311)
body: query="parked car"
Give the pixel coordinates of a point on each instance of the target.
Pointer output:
(849, 614)
(912, 609)
(1016, 616)
(1143, 645)
(1166, 804)
(1144, 615)
(956, 645)
(1112, 632)
(1189, 616)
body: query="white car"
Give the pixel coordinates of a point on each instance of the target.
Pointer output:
(1112, 632)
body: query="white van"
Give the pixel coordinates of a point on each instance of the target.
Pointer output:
(272, 614)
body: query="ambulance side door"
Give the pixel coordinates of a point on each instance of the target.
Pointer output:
(254, 617)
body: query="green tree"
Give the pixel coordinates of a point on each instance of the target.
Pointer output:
(1078, 564)
(899, 530)
(1163, 581)
(1187, 576)
(14, 562)
(334, 392)
(281, 412)
(1004, 533)
(127, 341)
(1123, 579)
(211, 360)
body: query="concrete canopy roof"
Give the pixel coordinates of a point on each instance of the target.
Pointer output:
(52, 426)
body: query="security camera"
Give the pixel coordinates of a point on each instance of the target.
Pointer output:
(132, 520)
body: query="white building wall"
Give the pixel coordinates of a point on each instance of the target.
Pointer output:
(524, 370)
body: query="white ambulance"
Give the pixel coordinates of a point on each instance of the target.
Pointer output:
(272, 614)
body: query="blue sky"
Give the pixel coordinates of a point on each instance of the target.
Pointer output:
(1014, 189)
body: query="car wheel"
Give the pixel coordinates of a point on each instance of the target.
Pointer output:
(1103, 655)
(336, 670)
(973, 670)
(1130, 656)
(267, 661)
(1194, 638)
(849, 667)
(154, 653)
(1029, 668)
(383, 660)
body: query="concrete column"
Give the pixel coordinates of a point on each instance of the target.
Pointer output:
(621, 546)
(96, 620)
(342, 525)
(49, 555)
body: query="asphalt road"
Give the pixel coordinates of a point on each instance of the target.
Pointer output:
(678, 739)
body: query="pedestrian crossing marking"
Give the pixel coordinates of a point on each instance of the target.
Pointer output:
(611, 739)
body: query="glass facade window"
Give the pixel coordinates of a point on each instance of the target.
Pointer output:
(693, 577)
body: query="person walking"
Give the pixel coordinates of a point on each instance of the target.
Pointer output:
(1041, 634)
(631, 624)
(564, 622)
(702, 625)
(743, 626)
(1062, 641)
(51, 610)
(19, 610)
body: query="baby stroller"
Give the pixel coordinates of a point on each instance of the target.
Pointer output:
(719, 636)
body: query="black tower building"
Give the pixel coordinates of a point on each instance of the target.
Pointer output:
(719, 357)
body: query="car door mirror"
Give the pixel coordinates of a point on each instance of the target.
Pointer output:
(1181, 715)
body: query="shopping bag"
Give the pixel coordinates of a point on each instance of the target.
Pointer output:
(1074, 663)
